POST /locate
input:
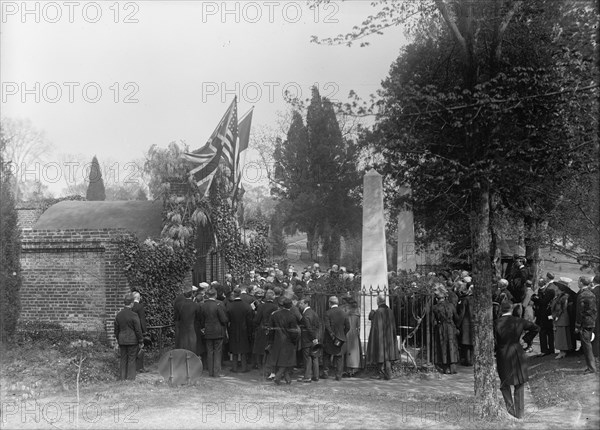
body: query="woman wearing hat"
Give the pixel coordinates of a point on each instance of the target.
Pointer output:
(446, 345)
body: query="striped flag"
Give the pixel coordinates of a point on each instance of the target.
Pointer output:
(220, 146)
(243, 140)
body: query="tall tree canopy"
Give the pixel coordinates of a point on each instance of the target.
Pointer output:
(492, 105)
(315, 170)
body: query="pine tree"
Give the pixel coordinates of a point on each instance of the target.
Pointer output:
(95, 191)
(10, 266)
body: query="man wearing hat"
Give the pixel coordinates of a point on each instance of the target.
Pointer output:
(511, 361)
(128, 332)
(585, 321)
(309, 325)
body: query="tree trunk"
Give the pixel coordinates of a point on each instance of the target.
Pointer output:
(486, 388)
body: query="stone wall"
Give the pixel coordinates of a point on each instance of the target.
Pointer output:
(72, 277)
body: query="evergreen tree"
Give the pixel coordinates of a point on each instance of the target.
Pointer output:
(95, 191)
(10, 248)
(316, 170)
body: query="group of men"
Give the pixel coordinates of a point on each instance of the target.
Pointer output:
(274, 328)
(554, 311)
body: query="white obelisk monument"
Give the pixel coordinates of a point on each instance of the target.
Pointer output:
(407, 259)
(374, 257)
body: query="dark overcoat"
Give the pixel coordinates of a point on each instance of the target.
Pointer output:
(383, 344)
(214, 319)
(309, 325)
(282, 338)
(336, 326)
(261, 322)
(178, 300)
(138, 308)
(446, 345)
(127, 328)
(465, 321)
(510, 357)
(240, 316)
(187, 315)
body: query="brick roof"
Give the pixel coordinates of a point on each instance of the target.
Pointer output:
(144, 218)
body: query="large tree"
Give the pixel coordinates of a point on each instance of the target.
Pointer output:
(95, 190)
(484, 108)
(316, 170)
(25, 149)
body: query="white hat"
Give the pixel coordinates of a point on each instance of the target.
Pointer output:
(467, 279)
(204, 285)
(566, 280)
(194, 288)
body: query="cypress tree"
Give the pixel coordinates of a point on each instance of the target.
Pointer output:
(95, 190)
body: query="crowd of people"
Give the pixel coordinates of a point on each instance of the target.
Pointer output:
(265, 321)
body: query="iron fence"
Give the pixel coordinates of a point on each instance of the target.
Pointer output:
(413, 317)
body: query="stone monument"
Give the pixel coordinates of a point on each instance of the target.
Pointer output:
(407, 258)
(374, 257)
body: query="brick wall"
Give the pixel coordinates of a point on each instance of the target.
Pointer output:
(27, 214)
(72, 277)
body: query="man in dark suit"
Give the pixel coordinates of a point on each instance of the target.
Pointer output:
(246, 298)
(511, 361)
(138, 308)
(585, 321)
(543, 316)
(214, 320)
(309, 326)
(128, 332)
(240, 316)
(336, 326)
(518, 286)
(261, 322)
(187, 316)
(178, 300)
(282, 337)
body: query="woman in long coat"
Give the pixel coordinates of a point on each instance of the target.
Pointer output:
(382, 347)
(352, 350)
(465, 325)
(561, 317)
(446, 345)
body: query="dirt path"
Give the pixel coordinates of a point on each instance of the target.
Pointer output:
(248, 401)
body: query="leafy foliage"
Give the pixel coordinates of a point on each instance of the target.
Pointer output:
(95, 190)
(10, 250)
(157, 270)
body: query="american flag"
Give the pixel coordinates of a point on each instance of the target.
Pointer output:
(220, 146)
(244, 139)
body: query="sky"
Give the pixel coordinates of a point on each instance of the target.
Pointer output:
(113, 78)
